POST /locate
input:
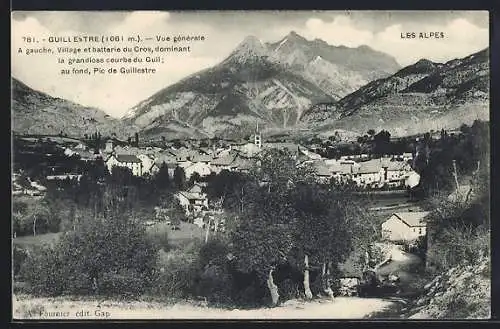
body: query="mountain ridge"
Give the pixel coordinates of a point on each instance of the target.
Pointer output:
(421, 96)
(273, 83)
(35, 112)
(289, 85)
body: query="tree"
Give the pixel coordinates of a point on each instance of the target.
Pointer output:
(227, 185)
(263, 239)
(321, 232)
(179, 178)
(371, 132)
(38, 212)
(163, 177)
(195, 177)
(121, 175)
(382, 142)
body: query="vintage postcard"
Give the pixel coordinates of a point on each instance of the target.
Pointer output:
(250, 165)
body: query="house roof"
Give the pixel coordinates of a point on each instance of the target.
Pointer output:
(370, 167)
(127, 158)
(127, 150)
(249, 149)
(242, 163)
(322, 169)
(412, 218)
(198, 167)
(145, 156)
(293, 148)
(396, 165)
(195, 189)
(225, 160)
(201, 158)
(192, 196)
(303, 157)
(344, 168)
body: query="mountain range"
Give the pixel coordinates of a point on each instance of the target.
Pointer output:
(35, 112)
(290, 86)
(273, 83)
(417, 98)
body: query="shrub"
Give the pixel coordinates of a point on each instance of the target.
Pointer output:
(127, 282)
(458, 245)
(92, 260)
(176, 272)
(213, 279)
(42, 270)
(214, 283)
(19, 256)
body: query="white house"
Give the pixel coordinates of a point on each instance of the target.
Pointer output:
(109, 147)
(322, 171)
(405, 226)
(147, 163)
(125, 160)
(201, 168)
(412, 179)
(249, 149)
(192, 200)
(369, 173)
(396, 172)
(202, 158)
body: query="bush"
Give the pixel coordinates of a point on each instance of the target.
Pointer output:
(176, 272)
(458, 245)
(127, 282)
(93, 259)
(213, 280)
(214, 283)
(19, 256)
(42, 270)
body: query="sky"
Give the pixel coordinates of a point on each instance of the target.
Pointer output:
(465, 32)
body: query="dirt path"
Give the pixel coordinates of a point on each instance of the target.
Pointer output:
(338, 308)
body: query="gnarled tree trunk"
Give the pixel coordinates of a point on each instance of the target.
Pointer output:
(273, 289)
(325, 275)
(208, 229)
(34, 225)
(307, 288)
(328, 289)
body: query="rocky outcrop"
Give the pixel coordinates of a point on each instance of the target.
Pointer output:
(463, 292)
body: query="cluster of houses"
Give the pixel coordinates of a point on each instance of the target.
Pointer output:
(203, 161)
(372, 173)
(391, 171)
(30, 187)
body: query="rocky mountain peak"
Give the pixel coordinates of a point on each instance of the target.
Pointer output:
(423, 66)
(250, 46)
(294, 36)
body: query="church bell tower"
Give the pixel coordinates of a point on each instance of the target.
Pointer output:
(258, 137)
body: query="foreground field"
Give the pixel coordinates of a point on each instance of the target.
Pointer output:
(25, 307)
(188, 232)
